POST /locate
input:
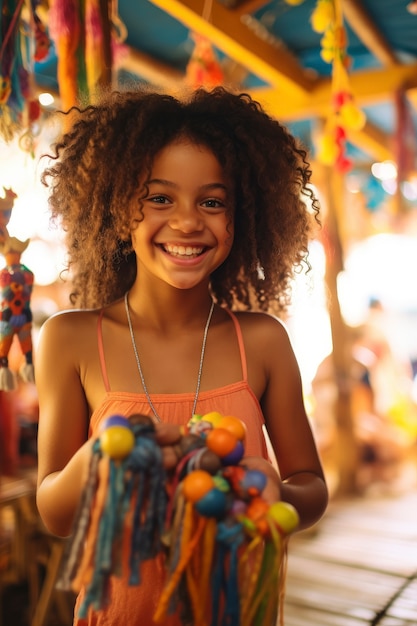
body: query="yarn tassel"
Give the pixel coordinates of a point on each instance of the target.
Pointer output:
(145, 462)
(249, 571)
(7, 379)
(27, 373)
(93, 46)
(96, 593)
(85, 569)
(225, 579)
(64, 30)
(268, 578)
(188, 544)
(198, 574)
(75, 547)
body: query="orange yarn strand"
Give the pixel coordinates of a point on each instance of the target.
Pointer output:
(187, 547)
(86, 568)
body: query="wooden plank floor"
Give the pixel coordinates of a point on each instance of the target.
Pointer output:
(357, 567)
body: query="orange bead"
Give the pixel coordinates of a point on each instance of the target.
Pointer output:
(221, 441)
(196, 485)
(233, 425)
(257, 509)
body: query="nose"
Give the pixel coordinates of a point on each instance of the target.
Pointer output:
(186, 218)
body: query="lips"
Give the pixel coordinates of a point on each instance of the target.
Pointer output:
(183, 251)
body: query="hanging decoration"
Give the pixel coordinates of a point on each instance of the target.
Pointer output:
(21, 44)
(85, 34)
(204, 67)
(222, 544)
(16, 283)
(65, 31)
(345, 115)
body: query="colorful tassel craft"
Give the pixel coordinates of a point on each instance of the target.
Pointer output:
(223, 545)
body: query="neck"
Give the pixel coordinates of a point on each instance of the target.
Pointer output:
(174, 309)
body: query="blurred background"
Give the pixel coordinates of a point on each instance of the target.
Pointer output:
(342, 75)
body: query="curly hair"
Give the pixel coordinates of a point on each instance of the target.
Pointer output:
(93, 181)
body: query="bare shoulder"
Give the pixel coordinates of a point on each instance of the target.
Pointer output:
(263, 329)
(67, 327)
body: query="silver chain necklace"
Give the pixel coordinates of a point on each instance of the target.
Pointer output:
(135, 350)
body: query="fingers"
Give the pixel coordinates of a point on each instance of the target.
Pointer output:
(272, 491)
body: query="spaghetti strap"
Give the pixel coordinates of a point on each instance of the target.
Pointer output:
(101, 351)
(241, 345)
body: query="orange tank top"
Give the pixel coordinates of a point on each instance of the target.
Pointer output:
(236, 399)
(136, 605)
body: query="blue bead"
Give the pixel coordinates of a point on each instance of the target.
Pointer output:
(116, 420)
(235, 456)
(254, 479)
(213, 504)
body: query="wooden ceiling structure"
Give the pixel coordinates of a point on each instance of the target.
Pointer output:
(293, 92)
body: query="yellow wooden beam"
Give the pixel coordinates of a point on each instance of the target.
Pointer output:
(270, 61)
(368, 87)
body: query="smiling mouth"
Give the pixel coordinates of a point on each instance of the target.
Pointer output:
(183, 252)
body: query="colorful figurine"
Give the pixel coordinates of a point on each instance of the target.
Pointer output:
(16, 283)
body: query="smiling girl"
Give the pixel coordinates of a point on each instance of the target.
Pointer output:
(185, 219)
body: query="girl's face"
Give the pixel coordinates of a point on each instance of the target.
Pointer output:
(187, 231)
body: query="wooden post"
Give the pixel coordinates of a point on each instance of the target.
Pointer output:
(347, 455)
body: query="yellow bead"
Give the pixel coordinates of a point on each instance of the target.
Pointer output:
(213, 418)
(284, 515)
(117, 442)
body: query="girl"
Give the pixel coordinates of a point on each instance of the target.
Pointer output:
(176, 212)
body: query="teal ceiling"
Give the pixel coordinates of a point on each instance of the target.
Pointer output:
(155, 32)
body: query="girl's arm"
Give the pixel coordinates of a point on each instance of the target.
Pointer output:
(63, 453)
(301, 474)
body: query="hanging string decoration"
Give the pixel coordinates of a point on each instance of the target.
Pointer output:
(223, 545)
(345, 115)
(87, 36)
(19, 108)
(203, 68)
(16, 283)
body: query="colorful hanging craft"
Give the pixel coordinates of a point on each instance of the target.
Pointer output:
(22, 43)
(16, 283)
(345, 115)
(224, 546)
(203, 68)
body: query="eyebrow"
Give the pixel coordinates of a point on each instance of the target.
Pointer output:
(169, 183)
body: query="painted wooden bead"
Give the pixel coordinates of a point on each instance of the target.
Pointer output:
(253, 482)
(117, 441)
(221, 441)
(196, 485)
(213, 504)
(285, 516)
(233, 425)
(235, 456)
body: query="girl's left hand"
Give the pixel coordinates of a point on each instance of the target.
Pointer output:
(272, 491)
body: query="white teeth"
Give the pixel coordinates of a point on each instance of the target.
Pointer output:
(187, 251)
